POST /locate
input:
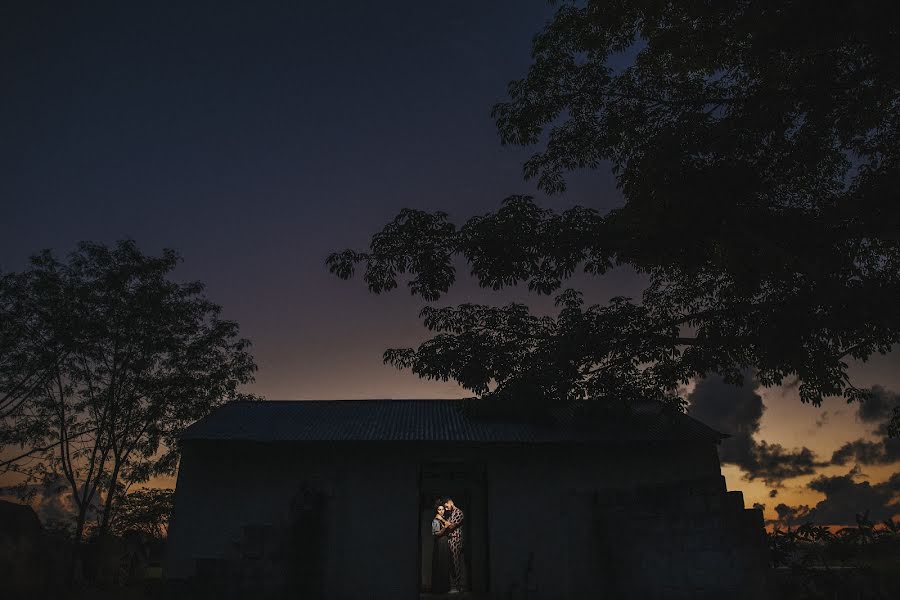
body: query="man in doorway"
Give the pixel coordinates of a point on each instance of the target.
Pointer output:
(455, 517)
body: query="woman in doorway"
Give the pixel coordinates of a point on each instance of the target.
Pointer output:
(440, 558)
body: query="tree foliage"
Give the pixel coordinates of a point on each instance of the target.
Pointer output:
(756, 149)
(104, 360)
(817, 561)
(145, 510)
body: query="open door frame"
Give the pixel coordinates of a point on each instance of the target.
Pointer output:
(468, 481)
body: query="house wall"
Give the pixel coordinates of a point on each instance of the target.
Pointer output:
(549, 514)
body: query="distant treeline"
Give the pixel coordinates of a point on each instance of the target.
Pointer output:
(818, 561)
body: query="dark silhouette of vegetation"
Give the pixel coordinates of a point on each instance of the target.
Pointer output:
(815, 561)
(756, 149)
(103, 361)
(146, 511)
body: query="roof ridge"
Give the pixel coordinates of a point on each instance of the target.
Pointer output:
(419, 419)
(299, 401)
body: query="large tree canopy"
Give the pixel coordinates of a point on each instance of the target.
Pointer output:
(755, 145)
(103, 361)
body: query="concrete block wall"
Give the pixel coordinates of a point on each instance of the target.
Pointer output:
(562, 522)
(689, 540)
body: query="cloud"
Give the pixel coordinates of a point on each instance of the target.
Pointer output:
(791, 515)
(879, 407)
(773, 463)
(731, 409)
(865, 452)
(51, 498)
(876, 410)
(845, 498)
(737, 411)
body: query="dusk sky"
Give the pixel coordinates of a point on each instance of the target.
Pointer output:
(255, 140)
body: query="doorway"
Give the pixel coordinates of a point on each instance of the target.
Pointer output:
(466, 484)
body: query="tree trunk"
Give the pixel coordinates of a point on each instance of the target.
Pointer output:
(79, 525)
(75, 563)
(110, 494)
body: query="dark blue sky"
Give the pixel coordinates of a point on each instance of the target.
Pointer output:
(255, 138)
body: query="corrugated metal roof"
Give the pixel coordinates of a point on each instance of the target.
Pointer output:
(424, 421)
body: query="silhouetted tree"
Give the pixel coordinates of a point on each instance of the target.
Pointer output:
(756, 148)
(817, 561)
(145, 510)
(104, 360)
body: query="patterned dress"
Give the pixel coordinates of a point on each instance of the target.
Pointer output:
(457, 562)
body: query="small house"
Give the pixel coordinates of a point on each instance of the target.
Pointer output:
(335, 499)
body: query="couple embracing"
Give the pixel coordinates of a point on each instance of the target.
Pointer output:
(448, 563)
